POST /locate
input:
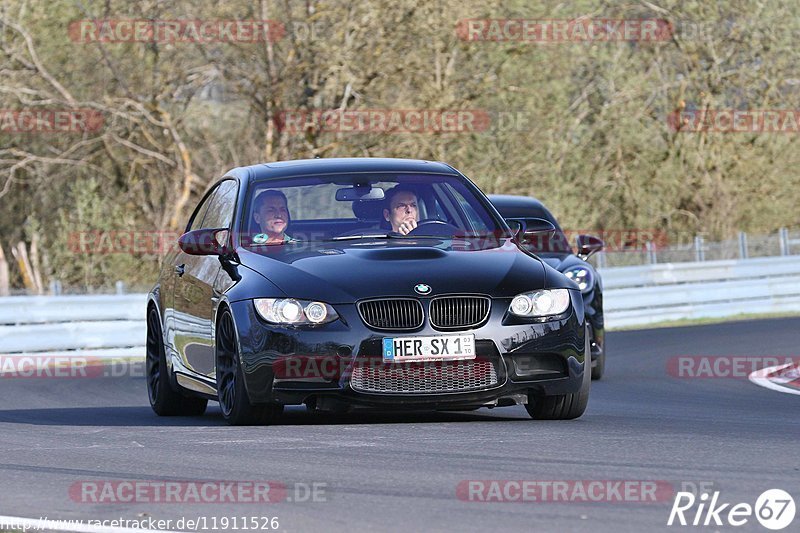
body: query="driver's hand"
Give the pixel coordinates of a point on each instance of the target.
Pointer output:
(407, 227)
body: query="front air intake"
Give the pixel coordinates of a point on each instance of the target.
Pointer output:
(396, 314)
(459, 312)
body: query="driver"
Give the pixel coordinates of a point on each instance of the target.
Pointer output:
(402, 212)
(272, 215)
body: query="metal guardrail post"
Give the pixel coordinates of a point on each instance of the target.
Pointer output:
(601, 259)
(55, 287)
(699, 250)
(783, 239)
(652, 259)
(742, 245)
(120, 287)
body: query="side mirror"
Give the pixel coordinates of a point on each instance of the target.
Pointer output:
(531, 227)
(516, 227)
(534, 234)
(205, 242)
(538, 226)
(588, 245)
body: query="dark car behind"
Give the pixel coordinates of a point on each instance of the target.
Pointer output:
(558, 253)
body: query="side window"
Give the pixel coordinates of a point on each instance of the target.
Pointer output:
(196, 222)
(473, 217)
(220, 211)
(464, 214)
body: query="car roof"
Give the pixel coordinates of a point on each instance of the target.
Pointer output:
(510, 200)
(304, 167)
(522, 206)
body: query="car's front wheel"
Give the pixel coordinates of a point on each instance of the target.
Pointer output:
(165, 400)
(231, 392)
(564, 406)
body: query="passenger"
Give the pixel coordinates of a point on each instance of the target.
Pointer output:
(402, 211)
(271, 213)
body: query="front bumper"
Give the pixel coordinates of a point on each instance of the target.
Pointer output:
(593, 307)
(544, 358)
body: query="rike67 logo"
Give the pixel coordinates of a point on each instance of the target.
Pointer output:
(774, 509)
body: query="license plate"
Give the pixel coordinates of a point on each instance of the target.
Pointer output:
(436, 348)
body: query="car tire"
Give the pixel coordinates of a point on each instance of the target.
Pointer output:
(564, 406)
(164, 399)
(599, 366)
(234, 402)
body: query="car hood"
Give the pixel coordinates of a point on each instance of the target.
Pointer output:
(561, 262)
(552, 261)
(347, 271)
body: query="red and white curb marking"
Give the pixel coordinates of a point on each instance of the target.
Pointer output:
(782, 378)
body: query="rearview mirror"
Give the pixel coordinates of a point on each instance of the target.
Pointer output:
(205, 242)
(588, 245)
(359, 192)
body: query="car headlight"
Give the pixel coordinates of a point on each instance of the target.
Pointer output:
(540, 303)
(582, 276)
(291, 312)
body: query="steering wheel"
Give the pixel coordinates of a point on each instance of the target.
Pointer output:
(435, 227)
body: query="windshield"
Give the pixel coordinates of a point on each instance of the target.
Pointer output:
(365, 207)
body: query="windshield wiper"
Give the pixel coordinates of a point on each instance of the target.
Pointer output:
(364, 236)
(409, 237)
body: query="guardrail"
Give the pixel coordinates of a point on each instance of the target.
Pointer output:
(114, 325)
(641, 295)
(102, 325)
(625, 247)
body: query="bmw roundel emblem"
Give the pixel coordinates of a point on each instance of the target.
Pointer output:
(421, 288)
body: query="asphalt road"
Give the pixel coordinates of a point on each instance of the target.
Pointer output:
(391, 472)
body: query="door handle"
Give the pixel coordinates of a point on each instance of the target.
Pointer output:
(179, 269)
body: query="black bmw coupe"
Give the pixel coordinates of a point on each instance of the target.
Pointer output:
(342, 283)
